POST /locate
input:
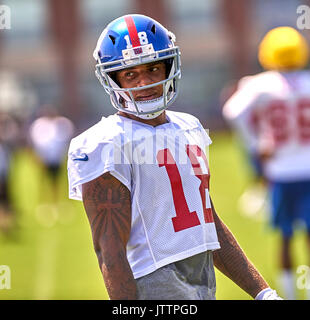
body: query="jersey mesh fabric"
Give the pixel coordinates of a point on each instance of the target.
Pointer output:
(130, 153)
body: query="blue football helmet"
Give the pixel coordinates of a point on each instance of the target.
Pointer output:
(129, 41)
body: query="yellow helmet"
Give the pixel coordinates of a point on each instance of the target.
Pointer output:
(283, 48)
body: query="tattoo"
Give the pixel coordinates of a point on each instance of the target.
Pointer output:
(232, 261)
(108, 206)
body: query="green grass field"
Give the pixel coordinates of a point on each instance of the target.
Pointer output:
(51, 256)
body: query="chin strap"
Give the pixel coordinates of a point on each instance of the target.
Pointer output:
(144, 106)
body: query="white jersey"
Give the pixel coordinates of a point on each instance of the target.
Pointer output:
(166, 170)
(275, 107)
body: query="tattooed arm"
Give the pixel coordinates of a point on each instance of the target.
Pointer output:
(232, 261)
(108, 206)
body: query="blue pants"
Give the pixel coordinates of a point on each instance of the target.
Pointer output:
(290, 203)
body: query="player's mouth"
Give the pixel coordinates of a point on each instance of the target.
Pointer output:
(147, 96)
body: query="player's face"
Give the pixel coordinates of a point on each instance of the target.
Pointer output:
(143, 75)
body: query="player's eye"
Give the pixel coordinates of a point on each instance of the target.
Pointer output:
(155, 68)
(129, 74)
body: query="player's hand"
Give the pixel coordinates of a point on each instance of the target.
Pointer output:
(268, 294)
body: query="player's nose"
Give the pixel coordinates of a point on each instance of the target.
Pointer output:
(144, 79)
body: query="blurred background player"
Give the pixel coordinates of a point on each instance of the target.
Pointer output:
(9, 136)
(271, 112)
(16, 102)
(50, 134)
(253, 201)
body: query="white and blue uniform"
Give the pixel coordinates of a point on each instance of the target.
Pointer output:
(274, 108)
(166, 171)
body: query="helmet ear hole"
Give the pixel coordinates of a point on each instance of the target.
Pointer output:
(112, 39)
(153, 29)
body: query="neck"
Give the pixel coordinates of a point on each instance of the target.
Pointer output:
(161, 119)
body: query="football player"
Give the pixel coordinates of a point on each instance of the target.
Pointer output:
(271, 112)
(50, 134)
(143, 176)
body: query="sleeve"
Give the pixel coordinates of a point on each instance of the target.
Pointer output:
(86, 164)
(240, 112)
(204, 135)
